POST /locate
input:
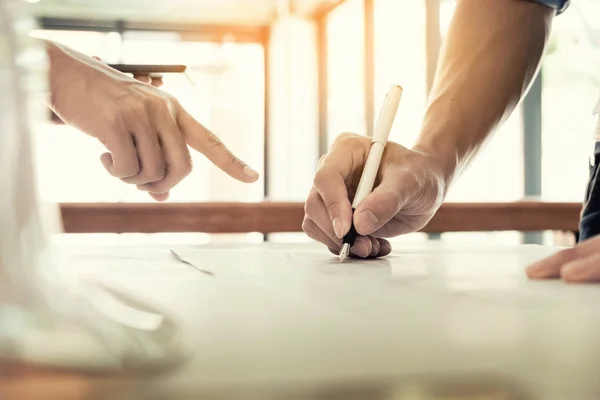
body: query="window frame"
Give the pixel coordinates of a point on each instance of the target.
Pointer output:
(261, 34)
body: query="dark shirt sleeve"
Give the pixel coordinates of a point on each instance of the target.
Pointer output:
(559, 5)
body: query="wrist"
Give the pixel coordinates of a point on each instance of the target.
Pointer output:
(443, 153)
(451, 138)
(70, 73)
(61, 69)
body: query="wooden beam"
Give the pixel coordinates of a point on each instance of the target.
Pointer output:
(182, 217)
(369, 64)
(323, 85)
(325, 8)
(272, 217)
(243, 33)
(523, 216)
(432, 40)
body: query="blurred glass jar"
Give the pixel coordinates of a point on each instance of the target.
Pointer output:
(23, 230)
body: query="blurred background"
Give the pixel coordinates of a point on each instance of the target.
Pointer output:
(278, 80)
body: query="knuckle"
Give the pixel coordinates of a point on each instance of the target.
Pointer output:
(158, 104)
(112, 119)
(104, 138)
(344, 136)
(170, 99)
(347, 138)
(321, 179)
(237, 162)
(157, 188)
(375, 247)
(156, 176)
(570, 254)
(133, 105)
(153, 174)
(331, 205)
(321, 159)
(211, 140)
(308, 227)
(311, 202)
(132, 115)
(395, 200)
(187, 166)
(182, 169)
(128, 170)
(150, 102)
(166, 106)
(389, 205)
(350, 145)
(173, 104)
(154, 188)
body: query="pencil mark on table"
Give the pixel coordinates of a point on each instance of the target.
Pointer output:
(181, 260)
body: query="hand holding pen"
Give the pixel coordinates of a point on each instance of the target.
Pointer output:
(371, 168)
(407, 189)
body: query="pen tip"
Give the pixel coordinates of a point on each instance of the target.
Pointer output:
(344, 252)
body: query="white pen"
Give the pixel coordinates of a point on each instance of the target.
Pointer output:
(367, 179)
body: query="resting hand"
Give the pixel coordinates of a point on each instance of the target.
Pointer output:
(577, 264)
(409, 190)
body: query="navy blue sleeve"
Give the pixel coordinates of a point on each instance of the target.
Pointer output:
(558, 5)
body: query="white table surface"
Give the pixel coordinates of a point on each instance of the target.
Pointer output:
(291, 316)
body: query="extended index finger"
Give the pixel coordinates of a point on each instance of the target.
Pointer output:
(204, 141)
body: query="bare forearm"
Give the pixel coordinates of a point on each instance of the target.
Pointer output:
(492, 52)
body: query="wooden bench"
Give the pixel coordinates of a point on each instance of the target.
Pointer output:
(276, 217)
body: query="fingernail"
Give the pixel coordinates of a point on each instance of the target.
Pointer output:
(532, 271)
(250, 173)
(542, 270)
(338, 228)
(367, 221)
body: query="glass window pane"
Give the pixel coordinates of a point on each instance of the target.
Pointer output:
(496, 174)
(345, 73)
(571, 83)
(400, 59)
(106, 45)
(227, 97)
(399, 51)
